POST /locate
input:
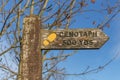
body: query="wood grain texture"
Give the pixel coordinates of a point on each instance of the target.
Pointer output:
(31, 58)
(74, 39)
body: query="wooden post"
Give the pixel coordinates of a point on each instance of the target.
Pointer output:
(30, 67)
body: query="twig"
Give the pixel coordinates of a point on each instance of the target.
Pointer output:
(9, 15)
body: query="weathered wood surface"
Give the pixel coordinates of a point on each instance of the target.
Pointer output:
(31, 58)
(73, 39)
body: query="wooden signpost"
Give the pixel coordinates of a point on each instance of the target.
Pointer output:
(72, 39)
(35, 39)
(30, 67)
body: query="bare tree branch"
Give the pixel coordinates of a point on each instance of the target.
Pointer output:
(8, 69)
(9, 15)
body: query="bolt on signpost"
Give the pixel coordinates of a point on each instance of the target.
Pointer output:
(35, 39)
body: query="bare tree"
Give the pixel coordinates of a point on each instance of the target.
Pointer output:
(54, 14)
